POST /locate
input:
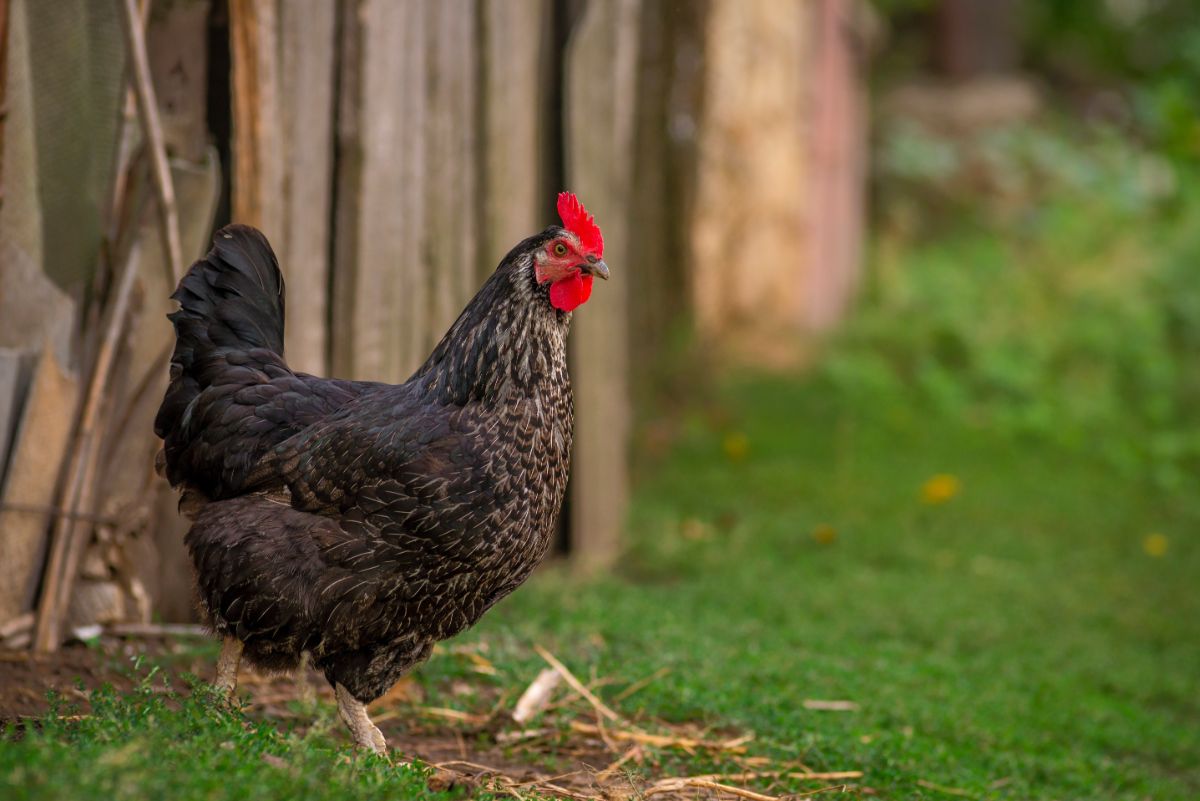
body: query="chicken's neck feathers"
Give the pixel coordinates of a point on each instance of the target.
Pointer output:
(508, 342)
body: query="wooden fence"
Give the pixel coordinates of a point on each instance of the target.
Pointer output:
(392, 151)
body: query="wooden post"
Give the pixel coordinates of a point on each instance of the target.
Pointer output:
(380, 305)
(408, 211)
(747, 227)
(601, 63)
(257, 144)
(39, 451)
(452, 157)
(514, 55)
(307, 36)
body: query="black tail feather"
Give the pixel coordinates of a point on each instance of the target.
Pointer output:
(231, 300)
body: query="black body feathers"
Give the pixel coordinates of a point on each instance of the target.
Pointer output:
(362, 522)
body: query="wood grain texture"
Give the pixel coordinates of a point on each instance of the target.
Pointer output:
(453, 157)
(600, 104)
(381, 312)
(748, 227)
(308, 30)
(257, 139)
(514, 53)
(39, 451)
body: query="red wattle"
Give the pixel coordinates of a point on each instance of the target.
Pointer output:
(569, 293)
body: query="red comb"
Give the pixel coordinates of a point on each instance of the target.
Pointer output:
(576, 220)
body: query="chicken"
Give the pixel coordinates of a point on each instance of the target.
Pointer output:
(358, 522)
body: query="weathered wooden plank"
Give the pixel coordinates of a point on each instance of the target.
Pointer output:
(748, 221)
(452, 188)
(601, 99)
(38, 452)
(347, 179)
(381, 309)
(257, 140)
(308, 30)
(515, 37)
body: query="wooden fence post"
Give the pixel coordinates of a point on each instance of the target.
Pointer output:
(307, 34)
(257, 146)
(514, 33)
(602, 59)
(380, 309)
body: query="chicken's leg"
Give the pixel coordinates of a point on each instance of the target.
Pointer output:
(354, 715)
(227, 667)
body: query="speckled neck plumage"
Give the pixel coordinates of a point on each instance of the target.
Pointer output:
(508, 339)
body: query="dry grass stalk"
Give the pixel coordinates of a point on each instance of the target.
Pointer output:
(663, 740)
(576, 685)
(135, 43)
(450, 714)
(830, 706)
(831, 775)
(678, 785)
(941, 788)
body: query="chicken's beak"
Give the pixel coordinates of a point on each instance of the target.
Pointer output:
(596, 268)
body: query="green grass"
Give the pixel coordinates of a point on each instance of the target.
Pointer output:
(153, 743)
(1015, 642)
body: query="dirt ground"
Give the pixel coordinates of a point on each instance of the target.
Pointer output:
(576, 753)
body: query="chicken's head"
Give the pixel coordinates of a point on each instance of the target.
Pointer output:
(571, 256)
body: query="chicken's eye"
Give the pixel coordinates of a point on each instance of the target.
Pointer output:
(560, 249)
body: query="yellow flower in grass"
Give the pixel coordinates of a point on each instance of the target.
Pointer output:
(1155, 544)
(736, 446)
(824, 534)
(940, 488)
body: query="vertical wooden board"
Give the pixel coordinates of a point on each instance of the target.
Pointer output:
(670, 86)
(37, 457)
(452, 192)
(600, 102)
(347, 178)
(382, 308)
(514, 54)
(747, 241)
(257, 140)
(307, 33)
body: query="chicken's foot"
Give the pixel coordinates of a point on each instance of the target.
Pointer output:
(354, 715)
(227, 667)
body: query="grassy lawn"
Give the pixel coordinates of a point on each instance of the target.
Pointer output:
(1016, 641)
(1019, 640)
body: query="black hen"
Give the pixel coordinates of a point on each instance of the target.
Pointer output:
(362, 522)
